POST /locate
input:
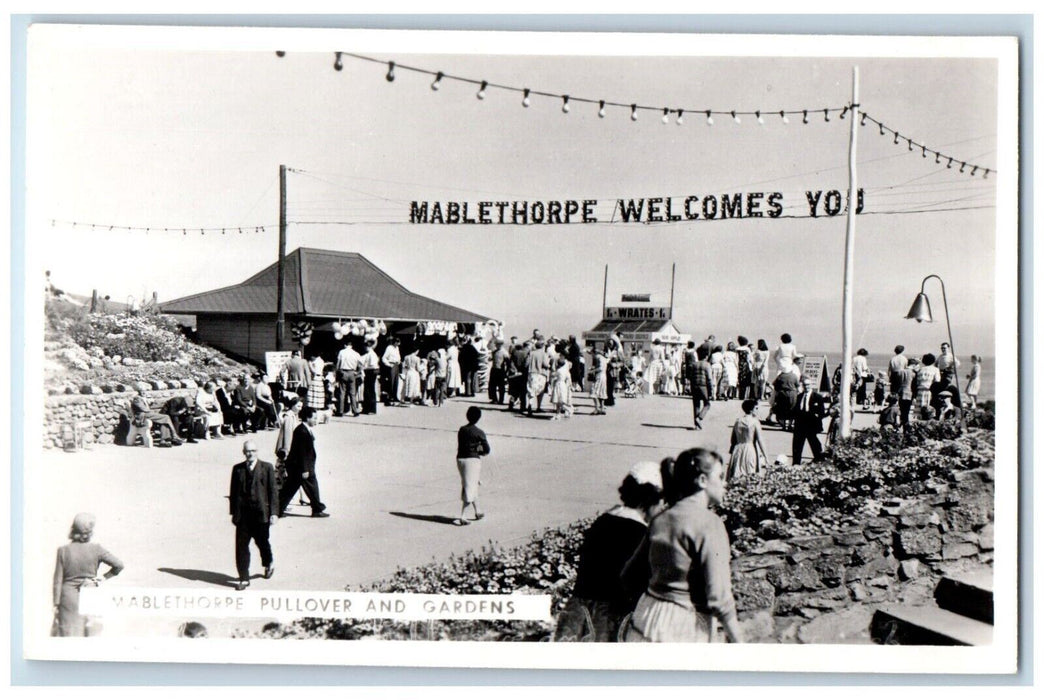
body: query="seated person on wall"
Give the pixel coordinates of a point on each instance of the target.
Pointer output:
(233, 416)
(266, 417)
(179, 410)
(141, 413)
(208, 407)
(243, 395)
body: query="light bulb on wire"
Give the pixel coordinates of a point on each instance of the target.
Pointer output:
(761, 119)
(634, 113)
(565, 104)
(390, 77)
(481, 94)
(783, 116)
(601, 109)
(337, 61)
(735, 117)
(804, 116)
(436, 83)
(525, 97)
(665, 118)
(679, 120)
(710, 119)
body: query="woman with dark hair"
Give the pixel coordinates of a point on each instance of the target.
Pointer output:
(77, 567)
(745, 444)
(471, 447)
(860, 377)
(746, 368)
(760, 360)
(601, 599)
(690, 582)
(730, 371)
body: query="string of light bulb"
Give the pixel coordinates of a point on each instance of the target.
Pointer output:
(668, 113)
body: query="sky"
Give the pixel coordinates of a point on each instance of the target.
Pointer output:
(190, 138)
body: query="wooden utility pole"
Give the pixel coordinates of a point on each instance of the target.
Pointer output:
(846, 309)
(605, 289)
(280, 310)
(671, 312)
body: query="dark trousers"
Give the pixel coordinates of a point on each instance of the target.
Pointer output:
(310, 485)
(497, 381)
(523, 398)
(247, 530)
(391, 390)
(700, 405)
(347, 387)
(369, 391)
(265, 416)
(610, 390)
(802, 434)
(470, 382)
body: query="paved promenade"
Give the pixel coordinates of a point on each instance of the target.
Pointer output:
(389, 481)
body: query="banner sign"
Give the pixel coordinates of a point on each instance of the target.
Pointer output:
(730, 205)
(181, 602)
(274, 363)
(637, 313)
(816, 369)
(636, 297)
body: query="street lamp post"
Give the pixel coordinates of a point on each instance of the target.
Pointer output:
(921, 310)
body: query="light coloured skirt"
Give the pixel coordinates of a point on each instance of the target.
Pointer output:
(470, 469)
(536, 385)
(655, 620)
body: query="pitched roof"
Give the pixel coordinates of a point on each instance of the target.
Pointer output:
(323, 283)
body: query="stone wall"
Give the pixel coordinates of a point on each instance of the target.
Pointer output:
(96, 412)
(824, 589)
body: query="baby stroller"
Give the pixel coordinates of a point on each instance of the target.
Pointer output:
(629, 383)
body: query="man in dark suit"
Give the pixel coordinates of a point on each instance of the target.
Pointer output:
(300, 466)
(808, 421)
(253, 501)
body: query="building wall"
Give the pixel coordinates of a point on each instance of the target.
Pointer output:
(248, 337)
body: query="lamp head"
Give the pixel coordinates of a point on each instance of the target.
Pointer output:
(920, 310)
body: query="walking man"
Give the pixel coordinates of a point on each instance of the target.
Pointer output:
(300, 466)
(253, 501)
(298, 374)
(391, 361)
(701, 386)
(808, 421)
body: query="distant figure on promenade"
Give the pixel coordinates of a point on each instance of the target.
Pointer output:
(562, 390)
(288, 422)
(370, 366)
(348, 372)
(412, 391)
(454, 381)
(576, 359)
(253, 502)
(468, 366)
(316, 394)
(599, 368)
(785, 354)
(760, 359)
(76, 567)
(785, 388)
(300, 467)
(808, 421)
(948, 365)
(472, 445)
(267, 415)
(209, 410)
(891, 417)
(498, 373)
(974, 381)
(745, 444)
(690, 582)
(896, 365)
(907, 379)
(701, 386)
(860, 377)
(246, 396)
(391, 363)
(298, 374)
(717, 363)
(601, 599)
(537, 367)
(730, 371)
(926, 377)
(745, 355)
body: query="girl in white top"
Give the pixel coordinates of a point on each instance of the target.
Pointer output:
(785, 354)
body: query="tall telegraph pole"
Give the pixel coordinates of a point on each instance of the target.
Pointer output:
(846, 310)
(280, 310)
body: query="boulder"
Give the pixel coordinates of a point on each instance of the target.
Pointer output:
(849, 538)
(753, 594)
(841, 626)
(909, 569)
(799, 577)
(879, 524)
(831, 568)
(772, 547)
(809, 603)
(882, 565)
(921, 519)
(973, 511)
(812, 541)
(758, 627)
(915, 542)
(986, 537)
(757, 561)
(959, 550)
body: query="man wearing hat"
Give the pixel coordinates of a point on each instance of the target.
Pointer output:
(253, 501)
